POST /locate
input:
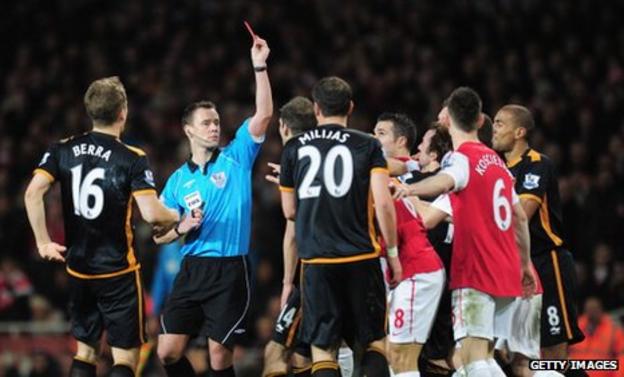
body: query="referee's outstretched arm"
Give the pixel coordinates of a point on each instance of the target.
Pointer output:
(264, 100)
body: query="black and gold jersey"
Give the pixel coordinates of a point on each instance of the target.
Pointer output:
(536, 179)
(328, 169)
(99, 176)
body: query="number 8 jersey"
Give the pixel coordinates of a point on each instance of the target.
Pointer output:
(98, 176)
(485, 255)
(328, 169)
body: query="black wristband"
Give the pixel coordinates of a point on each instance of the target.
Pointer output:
(260, 69)
(175, 229)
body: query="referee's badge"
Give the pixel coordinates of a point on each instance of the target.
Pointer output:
(531, 181)
(219, 179)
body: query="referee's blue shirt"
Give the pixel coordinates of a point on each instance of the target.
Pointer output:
(223, 190)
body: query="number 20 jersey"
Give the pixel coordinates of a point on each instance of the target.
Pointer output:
(328, 169)
(98, 176)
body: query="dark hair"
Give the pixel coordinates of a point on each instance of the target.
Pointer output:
(189, 111)
(486, 131)
(105, 99)
(441, 142)
(298, 115)
(522, 117)
(402, 126)
(464, 107)
(333, 96)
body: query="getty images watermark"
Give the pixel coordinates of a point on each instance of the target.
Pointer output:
(574, 365)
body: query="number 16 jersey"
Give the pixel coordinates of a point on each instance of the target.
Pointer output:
(328, 169)
(98, 176)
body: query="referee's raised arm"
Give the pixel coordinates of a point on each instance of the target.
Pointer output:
(264, 99)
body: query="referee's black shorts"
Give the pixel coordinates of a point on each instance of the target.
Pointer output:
(559, 311)
(210, 297)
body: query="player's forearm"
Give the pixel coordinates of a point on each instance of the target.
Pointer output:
(523, 238)
(386, 217)
(290, 253)
(433, 186)
(168, 237)
(35, 209)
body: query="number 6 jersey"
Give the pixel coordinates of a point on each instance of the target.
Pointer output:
(98, 176)
(485, 255)
(328, 169)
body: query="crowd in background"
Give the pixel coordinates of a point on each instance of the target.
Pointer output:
(562, 59)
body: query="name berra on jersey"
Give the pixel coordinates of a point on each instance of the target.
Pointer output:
(91, 150)
(323, 134)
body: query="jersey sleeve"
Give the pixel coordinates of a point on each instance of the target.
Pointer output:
(443, 203)
(287, 169)
(141, 177)
(168, 195)
(377, 160)
(534, 183)
(456, 165)
(245, 147)
(48, 166)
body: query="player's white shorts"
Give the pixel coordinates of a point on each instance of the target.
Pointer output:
(413, 306)
(523, 322)
(479, 315)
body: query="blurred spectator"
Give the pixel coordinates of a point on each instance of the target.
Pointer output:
(15, 288)
(604, 339)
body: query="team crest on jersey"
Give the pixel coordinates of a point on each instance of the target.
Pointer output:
(193, 200)
(219, 179)
(531, 181)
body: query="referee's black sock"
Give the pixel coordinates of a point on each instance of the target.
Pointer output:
(120, 370)
(375, 363)
(228, 372)
(81, 368)
(181, 368)
(325, 369)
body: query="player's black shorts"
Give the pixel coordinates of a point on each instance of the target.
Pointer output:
(287, 324)
(441, 341)
(559, 310)
(343, 301)
(113, 304)
(210, 297)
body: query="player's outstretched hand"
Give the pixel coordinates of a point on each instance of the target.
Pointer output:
(398, 190)
(191, 221)
(52, 251)
(259, 52)
(275, 172)
(529, 284)
(397, 271)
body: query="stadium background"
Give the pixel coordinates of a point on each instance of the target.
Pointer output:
(561, 58)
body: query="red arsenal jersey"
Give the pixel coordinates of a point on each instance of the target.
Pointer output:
(485, 255)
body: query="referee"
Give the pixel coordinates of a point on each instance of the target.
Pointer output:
(212, 193)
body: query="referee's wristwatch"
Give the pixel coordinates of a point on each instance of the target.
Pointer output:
(176, 230)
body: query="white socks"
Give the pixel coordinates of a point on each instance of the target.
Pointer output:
(408, 374)
(345, 361)
(495, 369)
(459, 372)
(479, 368)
